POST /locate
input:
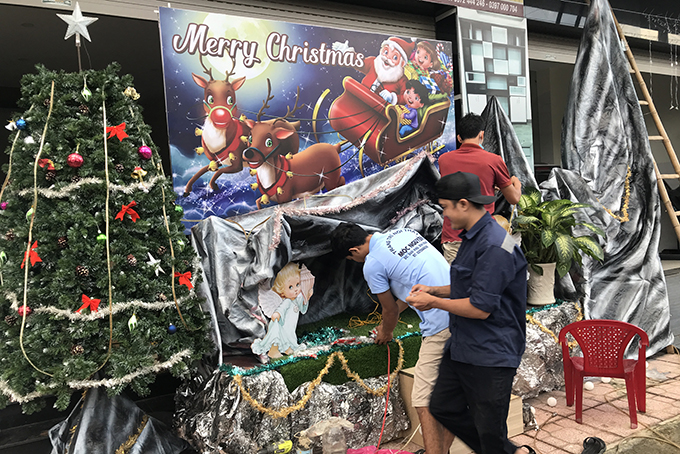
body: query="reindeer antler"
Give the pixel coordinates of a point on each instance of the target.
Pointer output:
(265, 104)
(232, 72)
(205, 70)
(295, 107)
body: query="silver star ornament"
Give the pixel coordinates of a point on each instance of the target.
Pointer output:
(155, 264)
(77, 23)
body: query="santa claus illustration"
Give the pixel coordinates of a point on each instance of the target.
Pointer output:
(385, 73)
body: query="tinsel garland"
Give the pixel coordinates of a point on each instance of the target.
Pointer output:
(235, 370)
(66, 190)
(533, 321)
(109, 382)
(104, 311)
(283, 412)
(320, 211)
(130, 442)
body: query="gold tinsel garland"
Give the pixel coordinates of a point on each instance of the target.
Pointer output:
(130, 442)
(533, 321)
(626, 200)
(283, 412)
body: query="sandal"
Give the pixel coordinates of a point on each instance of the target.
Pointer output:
(593, 445)
(529, 449)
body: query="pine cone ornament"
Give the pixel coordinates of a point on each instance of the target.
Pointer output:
(51, 175)
(162, 297)
(46, 102)
(132, 260)
(84, 109)
(75, 179)
(9, 236)
(77, 350)
(120, 168)
(62, 241)
(82, 271)
(11, 320)
(162, 250)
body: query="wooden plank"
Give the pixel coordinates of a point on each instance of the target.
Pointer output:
(655, 137)
(643, 102)
(669, 176)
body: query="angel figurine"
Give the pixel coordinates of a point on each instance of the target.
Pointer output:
(288, 297)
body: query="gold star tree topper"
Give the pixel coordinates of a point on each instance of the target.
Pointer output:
(77, 23)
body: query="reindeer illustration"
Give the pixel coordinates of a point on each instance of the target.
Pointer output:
(283, 173)
(223, 129)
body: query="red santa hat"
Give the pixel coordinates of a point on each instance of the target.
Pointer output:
(404, 47)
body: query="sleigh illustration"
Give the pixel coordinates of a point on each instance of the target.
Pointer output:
(363, 117)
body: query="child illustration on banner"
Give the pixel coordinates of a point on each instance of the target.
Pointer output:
(283, 303)
(417, 101)
(426, 67)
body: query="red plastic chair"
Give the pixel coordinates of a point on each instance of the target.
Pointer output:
(604, 343)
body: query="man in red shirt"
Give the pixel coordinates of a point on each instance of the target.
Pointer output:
(489, 167)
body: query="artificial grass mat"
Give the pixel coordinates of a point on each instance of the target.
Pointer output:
(366, 360)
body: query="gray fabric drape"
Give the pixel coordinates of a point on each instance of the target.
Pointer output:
(239, 253)
(605, 150)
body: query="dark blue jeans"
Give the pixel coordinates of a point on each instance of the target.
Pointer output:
(472, 403)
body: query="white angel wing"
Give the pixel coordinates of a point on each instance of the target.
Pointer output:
(268, 299)
(306, 280)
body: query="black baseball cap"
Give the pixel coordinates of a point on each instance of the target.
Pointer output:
(462, 185)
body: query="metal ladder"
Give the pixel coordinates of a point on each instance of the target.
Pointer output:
(662, 137)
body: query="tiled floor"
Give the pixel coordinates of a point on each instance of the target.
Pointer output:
(605, 412)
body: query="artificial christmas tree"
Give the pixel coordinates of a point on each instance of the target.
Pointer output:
(85, 195)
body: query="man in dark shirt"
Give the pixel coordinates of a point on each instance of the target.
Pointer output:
(487, 304)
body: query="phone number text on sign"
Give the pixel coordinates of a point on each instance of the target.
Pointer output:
(495, 6)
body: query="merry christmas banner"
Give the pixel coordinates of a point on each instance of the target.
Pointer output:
(262, 112)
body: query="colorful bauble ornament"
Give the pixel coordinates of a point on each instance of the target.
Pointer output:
(132, 322)
(75, 160)
(120, 168)
(101, 238)
(132, 260)
(77, 350)
(179, 209)
(3, 206)
(172, 329)
(11, 320)
(82, 271)
(162, 250)
(21, 124)
(145, 152)
(20, 311)
(51, 175)
(62, 241)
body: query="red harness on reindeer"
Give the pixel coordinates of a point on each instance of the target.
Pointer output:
(284, 166)
(223, 154)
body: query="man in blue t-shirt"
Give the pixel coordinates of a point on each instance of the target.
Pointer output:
(393, 263)
(487, 302)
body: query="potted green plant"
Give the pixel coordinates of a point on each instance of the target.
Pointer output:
(548, 241)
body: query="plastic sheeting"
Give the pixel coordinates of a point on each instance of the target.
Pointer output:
(239, 253)
(603, 137)
(112, 424)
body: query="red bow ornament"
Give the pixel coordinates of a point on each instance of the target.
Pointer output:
(92, 303)
(32, 256)
(127, 209)
(118, 131)
(46, 162)
(185, 279)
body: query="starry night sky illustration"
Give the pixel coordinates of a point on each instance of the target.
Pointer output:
(184, 102)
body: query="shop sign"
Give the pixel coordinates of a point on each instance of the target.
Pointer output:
(509, 7)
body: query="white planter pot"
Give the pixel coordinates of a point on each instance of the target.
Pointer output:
(541, 289)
